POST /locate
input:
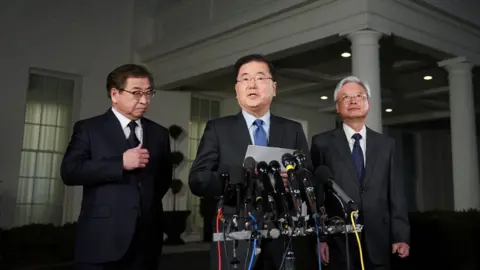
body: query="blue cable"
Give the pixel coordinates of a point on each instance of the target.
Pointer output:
(318, 243)
(254, 242)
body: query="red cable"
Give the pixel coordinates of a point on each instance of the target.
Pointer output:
(219, 250)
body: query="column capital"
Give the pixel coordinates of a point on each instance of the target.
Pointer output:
(456, 64)
(365, 37)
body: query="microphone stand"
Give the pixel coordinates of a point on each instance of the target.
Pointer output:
(345, 212)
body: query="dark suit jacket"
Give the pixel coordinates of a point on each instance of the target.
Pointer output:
(225, 142)
(381, 197)
(111, 200)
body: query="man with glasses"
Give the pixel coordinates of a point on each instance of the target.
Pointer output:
(363, 164)
(122, 161)
(225, 142)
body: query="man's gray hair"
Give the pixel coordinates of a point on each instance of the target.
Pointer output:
(351, 79)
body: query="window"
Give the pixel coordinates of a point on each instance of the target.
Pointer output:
(48, 119)
(201, 110)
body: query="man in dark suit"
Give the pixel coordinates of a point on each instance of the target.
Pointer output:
(363, 164)
(122, 161)
(225, 141)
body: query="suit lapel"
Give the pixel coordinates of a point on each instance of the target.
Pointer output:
(114, 130)
(276, 133)
(241, 132)
(341, 143)
(372, 145)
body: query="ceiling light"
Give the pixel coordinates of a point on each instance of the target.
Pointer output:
(346, 54)
(388, 110)
(324, 97)
(427, 78)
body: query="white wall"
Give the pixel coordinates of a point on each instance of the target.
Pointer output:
(87, 38)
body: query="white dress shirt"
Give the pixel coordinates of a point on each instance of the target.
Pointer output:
(124, 121)
(363, 141)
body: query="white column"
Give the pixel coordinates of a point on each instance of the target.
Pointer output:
(466, 187)
(366, 66)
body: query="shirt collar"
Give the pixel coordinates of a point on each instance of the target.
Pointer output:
(124, 121)
(349, 131)
(250, 118)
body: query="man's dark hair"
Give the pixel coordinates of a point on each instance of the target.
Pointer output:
(255, 58)
(118, 77)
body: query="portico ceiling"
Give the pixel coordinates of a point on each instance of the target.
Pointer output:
(307, 73)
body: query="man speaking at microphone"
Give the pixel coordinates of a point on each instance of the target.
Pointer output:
(363, 165)
(225, 141)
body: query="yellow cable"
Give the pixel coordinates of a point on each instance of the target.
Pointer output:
(352, 217)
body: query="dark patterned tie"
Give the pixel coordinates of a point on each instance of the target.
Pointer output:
(357, 155)
(132, 138)
(260, 136)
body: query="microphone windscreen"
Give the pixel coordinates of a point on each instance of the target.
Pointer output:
(249, 164)
(237, 175)
(323, 174)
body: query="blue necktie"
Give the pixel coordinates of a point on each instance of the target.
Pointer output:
(357, 155)
(259, 136)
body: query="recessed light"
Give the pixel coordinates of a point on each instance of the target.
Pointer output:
(346, 54)
(427, 78)
(388, 110)
(324, 97)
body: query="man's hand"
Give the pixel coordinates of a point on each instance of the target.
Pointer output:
(324, 254)
(285, 180)
(402, 249)
(135, 158)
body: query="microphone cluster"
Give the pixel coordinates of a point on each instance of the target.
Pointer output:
(269, 202)
(276, 204)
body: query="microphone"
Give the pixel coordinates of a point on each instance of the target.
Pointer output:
(288, 162)
(249, 165)
(237, 179)
(274, 168)
(325, 175)
(300, 159)
(268, 190)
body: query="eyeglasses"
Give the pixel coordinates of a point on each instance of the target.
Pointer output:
(347, 98)
(256, 79)
(139, 94)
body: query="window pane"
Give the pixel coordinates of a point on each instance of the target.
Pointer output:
(194, 108)
(193, 127)
(49, 114)
(56, 163)
(41, 188)
(43, 167)
(25, 190)
(61, 139)
(27, 164)
(40, 214)
(64, 118)
(204, 109)
(192, 149)
(31, 136)
(47, 138)
(56, 192)
(33, 112)
(201, 129)
(215, 109)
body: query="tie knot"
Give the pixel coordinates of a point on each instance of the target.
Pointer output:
(132, 125)
(356, 136)
(258, 122)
